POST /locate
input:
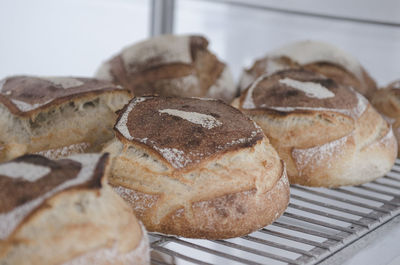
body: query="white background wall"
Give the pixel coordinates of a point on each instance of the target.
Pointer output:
(66, 37)
(72, 37)
(239, 35)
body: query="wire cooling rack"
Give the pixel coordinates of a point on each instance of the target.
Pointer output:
(318, 223)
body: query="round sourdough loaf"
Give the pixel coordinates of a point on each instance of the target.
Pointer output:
(170, 65)
(328, 134)
(63, 212)
(196, 168)
(387, 101)
(316, 56)
(57, 116)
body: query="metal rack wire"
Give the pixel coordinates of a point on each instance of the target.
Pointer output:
(318, 223)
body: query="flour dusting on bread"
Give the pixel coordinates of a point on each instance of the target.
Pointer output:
(10, 220)
(306, 52)
(121, 125)
(321, 93)
(355, 112)
(176, 157)
(320, 154)
(362, 104)
(311, 89)
(25, 107)
(65, 150)
(388, 138)
(140, 202)
(205, 127)
(64, 82)
(224, 87)
(242, 140)
(157, 51)
(206, 121)
(248, 102)
(23, 170)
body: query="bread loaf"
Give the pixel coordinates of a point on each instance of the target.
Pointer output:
(170, 65)
(56, 116)
(64, 212)
(196, 168)
(387, 101)
(328, 134)
(316, 56)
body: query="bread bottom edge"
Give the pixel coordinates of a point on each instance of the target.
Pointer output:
(227, 216)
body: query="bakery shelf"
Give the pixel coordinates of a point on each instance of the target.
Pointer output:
(318, 223)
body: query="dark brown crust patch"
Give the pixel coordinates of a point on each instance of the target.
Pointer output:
(40, 92)
(180, 141)
(18, 191)
(143, 78)
(269, 92)
(98, 173)
(195, 43)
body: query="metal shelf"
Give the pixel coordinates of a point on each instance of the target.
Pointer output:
(318, 223)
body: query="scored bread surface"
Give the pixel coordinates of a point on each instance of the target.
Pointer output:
(56, 116)
(214, 177)
(63, 212)
(170, 65)
(328, 134)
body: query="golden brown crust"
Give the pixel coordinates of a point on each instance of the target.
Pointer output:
(224, 216)
(159, 68)
(359, 157)
(223, 183)
(322, 144)
(230, 215)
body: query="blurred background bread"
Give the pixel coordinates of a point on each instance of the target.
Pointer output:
(327, 133)
(56, 116)
(170, 65)
(56, 212)
(196, 168)
(316, 56)
(387, 101)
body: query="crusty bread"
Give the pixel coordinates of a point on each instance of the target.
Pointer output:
(328, 134)
(387, 101)
(170, 65)
(64, 212)
(56, 116)
(196, 168)
(315, 56)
